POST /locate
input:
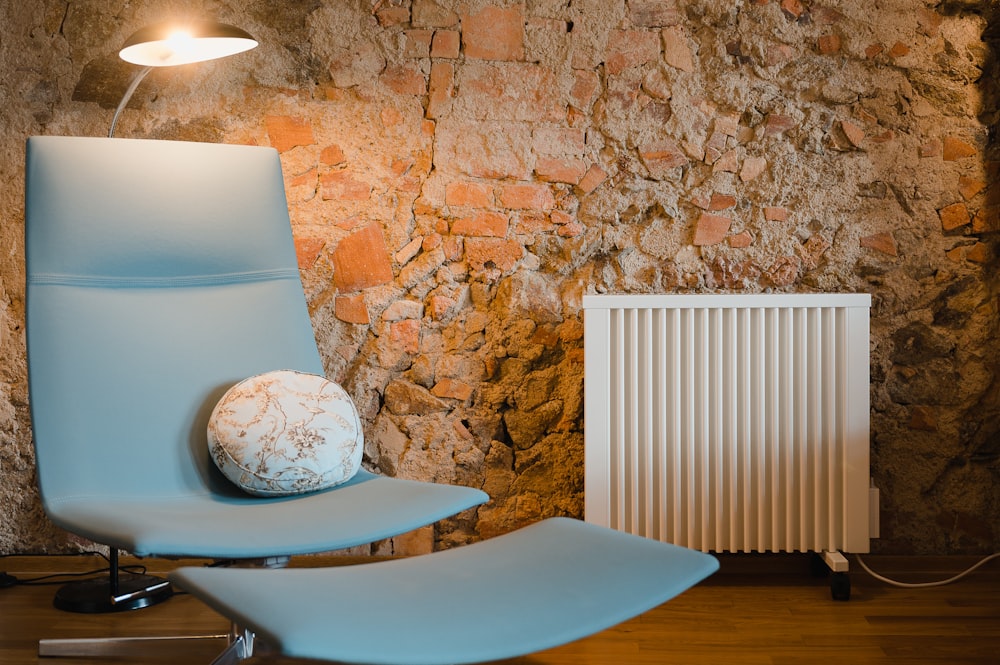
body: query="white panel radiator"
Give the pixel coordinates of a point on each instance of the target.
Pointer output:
(729, 423)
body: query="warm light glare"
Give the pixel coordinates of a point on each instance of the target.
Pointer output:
(180, 41)
(164, 46)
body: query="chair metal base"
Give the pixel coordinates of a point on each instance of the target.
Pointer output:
(95, 596)
(176, 649)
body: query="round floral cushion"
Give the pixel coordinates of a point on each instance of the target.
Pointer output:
(286, 432)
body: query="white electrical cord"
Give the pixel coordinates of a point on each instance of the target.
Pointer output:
(924, 585)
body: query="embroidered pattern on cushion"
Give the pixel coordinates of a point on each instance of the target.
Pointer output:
(286, 432)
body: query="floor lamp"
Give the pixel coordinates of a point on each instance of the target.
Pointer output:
(171, 44)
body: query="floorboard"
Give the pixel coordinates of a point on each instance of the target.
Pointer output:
(748, 614)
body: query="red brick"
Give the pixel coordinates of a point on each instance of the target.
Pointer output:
(584, 90)
(497, 253)
(711, 229)
(592, 179)
(778, 54)
(931, 148)
(446, 44)
(361, 260)
(873, 50)
(404, 80)
(676, 49)
(656, 85)
(929, 21)
(721, 201)
(793, 9)
(883, 137)
(405, 335)
(453, 246)
(978, 253)
(332, 155)
(702, 201)
(955, 149)
(530, 222)
(898, 50)
(286, 132)
(571, 230)
(969, 187)
(453, 389)
(727, 123)
(987, 220)
(777, 123)
(715, 146)
(854, 134)
(783, 272)
(351, 309)
(430, 14)
(654, 13)
(560, 169)
(661, 156)
(527, 197)
(494, 33)
(417, 43)
(775, 214)
(954, 216)
(863, 115)
(752, 168)
(307, 251)
(560, 217)
(631, 48)
(728, 162)
(402, 165)
(880, 242)
(432, 241)
(741, 240)
(442, 87)
(306, 181)
(483, 223)
(439, 307)
(389, 15)
(469, 194)
(409, 250)
(829, 44)
(825, 15)
(341, 185)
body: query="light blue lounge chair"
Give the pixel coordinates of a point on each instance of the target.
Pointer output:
(158, 275)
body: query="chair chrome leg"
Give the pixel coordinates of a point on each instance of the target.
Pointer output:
(130, 646)
(236, 651)
(242, 645)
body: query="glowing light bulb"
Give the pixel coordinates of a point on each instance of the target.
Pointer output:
(180, 40)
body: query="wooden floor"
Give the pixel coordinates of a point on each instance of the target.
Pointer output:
(766, 611)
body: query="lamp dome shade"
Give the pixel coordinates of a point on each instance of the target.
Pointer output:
(169, 44)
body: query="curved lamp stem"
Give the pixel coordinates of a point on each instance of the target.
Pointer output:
(128, 95)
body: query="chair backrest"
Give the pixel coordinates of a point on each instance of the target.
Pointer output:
(159, 273)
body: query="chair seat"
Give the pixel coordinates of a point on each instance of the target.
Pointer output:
(547, 584)
(237, 525)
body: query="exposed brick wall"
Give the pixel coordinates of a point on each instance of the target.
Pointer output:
(459, 174)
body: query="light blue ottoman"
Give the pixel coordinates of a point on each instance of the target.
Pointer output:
(541, 586)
